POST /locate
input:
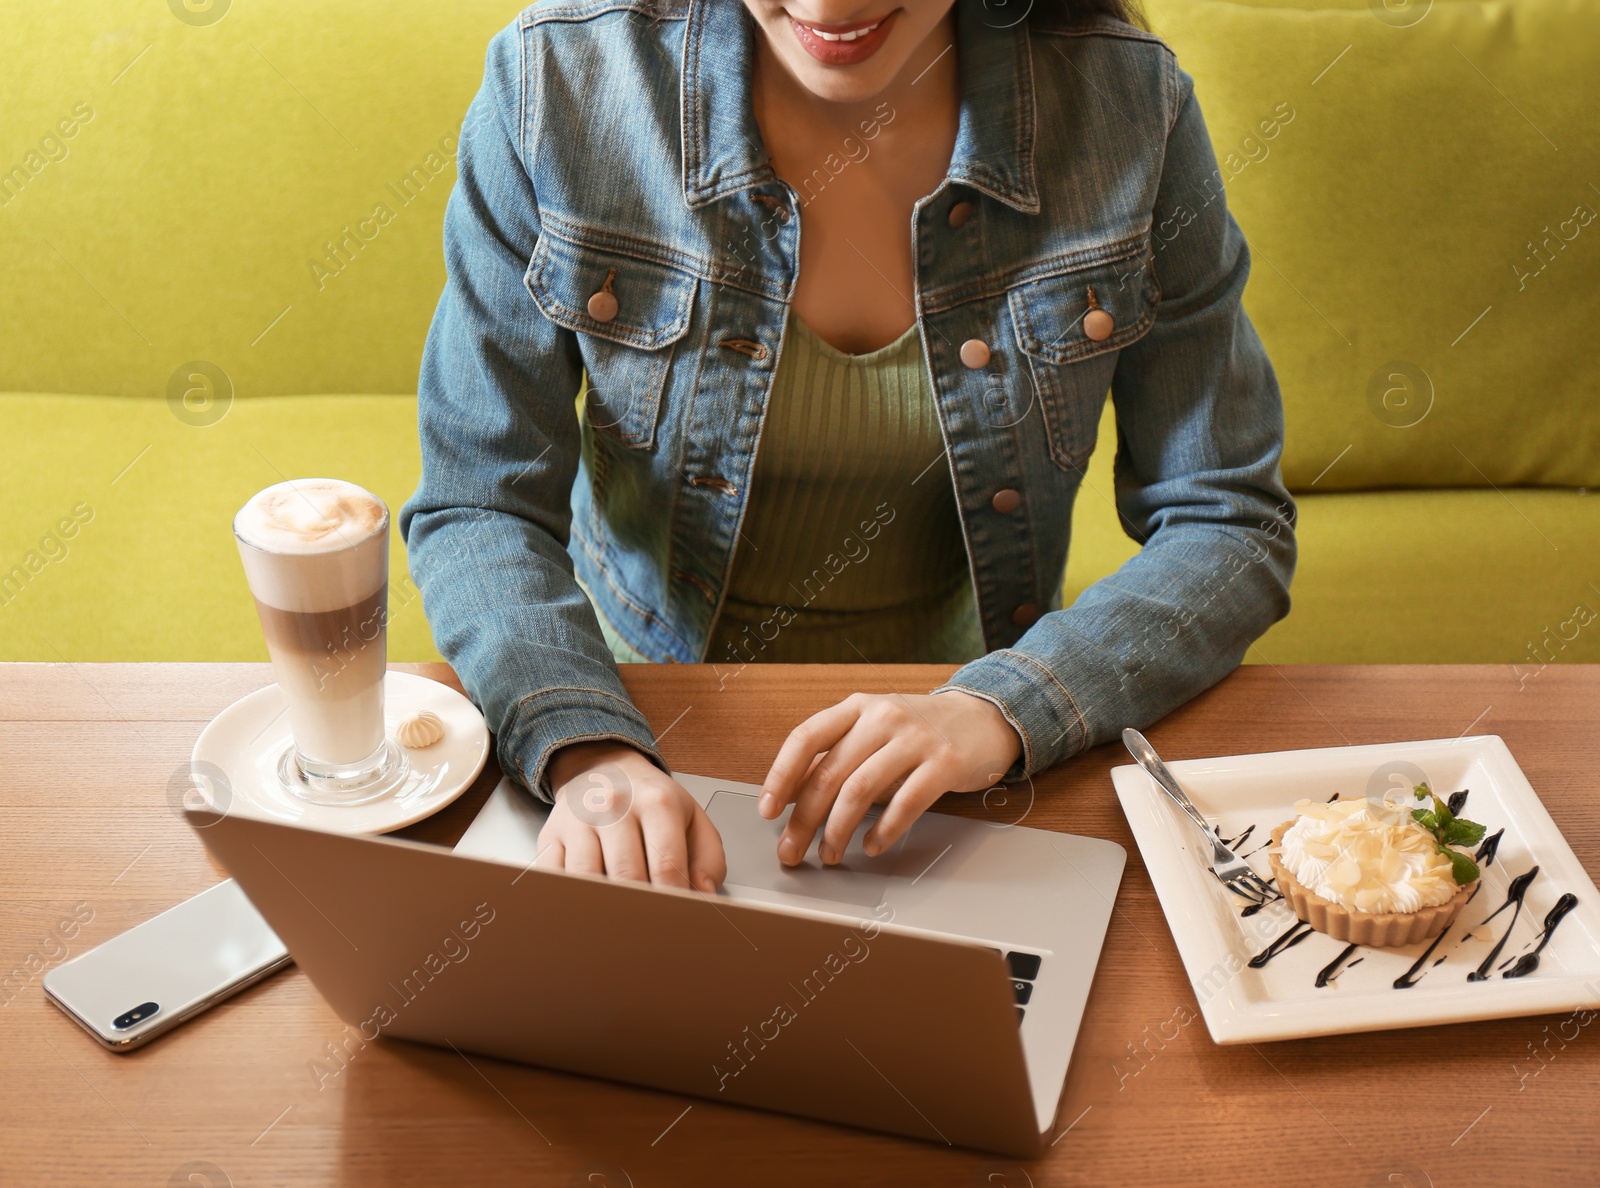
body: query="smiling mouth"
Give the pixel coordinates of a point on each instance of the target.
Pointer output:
(851, 35)
(843, 43)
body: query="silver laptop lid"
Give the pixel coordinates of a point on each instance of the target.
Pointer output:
(851, 1021)
(1042, 898)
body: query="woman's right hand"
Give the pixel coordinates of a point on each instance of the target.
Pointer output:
(617, 813)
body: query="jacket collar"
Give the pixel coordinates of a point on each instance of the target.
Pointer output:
(722, 149)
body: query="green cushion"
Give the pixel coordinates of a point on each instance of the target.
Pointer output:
(187, 214)
(148, 569)
(1372, 589)
(1406, 178)
(121, 546)
(1407, 577)
(1458, 577)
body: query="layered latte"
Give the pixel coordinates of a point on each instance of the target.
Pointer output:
(316, 554)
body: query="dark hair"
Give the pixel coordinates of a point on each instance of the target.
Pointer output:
(1127, 11)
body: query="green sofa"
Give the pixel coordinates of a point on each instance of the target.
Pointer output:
(220, 228)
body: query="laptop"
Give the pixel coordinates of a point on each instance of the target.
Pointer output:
(934, 991)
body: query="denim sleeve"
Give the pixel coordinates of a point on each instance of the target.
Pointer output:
(487, 528)
(1199, 436)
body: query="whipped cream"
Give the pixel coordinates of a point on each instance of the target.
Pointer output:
(1367, 855)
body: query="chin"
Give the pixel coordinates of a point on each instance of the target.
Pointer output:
(843, 84)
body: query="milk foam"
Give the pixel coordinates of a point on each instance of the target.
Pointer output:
(314, 544)
(316, 515)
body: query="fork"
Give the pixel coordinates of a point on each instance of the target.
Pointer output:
(1231, 870)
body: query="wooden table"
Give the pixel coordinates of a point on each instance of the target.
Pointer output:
(88, 751)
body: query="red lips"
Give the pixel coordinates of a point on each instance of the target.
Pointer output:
(843, 53)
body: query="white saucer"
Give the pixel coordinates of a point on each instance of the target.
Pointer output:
(233, 767)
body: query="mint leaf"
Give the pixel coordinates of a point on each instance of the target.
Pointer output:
(1463, 868)
(1441, 810)
(1448, 830)
(1461, 832)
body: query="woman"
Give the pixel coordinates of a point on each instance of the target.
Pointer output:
(1004, 215)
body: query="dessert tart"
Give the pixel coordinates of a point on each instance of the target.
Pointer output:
(1375, 872)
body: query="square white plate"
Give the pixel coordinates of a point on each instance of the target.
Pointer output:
(1251, 794)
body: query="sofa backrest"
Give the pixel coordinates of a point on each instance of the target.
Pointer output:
(257, 187)
(1418, 181)
(260, 189)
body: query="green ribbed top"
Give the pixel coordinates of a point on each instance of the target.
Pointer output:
(851, 545)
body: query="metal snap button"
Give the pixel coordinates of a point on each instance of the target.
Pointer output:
(959, 213)
(1098, 325)
(603, 303)
(1025, 615)
(1006, 501)
(975, 353)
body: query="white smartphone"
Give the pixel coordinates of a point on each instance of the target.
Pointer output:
(154, 976)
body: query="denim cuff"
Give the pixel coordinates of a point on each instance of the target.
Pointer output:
(1035, 702)
(548, 720)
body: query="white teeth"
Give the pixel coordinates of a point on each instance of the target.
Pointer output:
(850, 36)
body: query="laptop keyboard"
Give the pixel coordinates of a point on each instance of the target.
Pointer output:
(1024, 965)
(1024, 972)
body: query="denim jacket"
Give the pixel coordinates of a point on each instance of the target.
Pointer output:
(612, 150)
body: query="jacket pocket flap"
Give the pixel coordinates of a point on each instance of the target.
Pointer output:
(653, 301)
(1053, 318)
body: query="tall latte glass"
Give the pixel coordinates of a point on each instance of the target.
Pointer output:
(316, 555)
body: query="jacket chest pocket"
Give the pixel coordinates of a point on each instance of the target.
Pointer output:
(627, 314)
(1071, 327)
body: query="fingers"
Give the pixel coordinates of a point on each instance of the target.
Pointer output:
(708, 863)
(861, 789)
(816, 734)
(818, 792)
(924, 786)
(581, 846)
(552, 854)
(647, 828)
(622, 844)
(666, 844)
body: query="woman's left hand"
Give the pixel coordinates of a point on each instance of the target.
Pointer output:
(870, 744)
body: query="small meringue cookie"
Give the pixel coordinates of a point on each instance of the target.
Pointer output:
(420, 730)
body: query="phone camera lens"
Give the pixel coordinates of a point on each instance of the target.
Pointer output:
(139, 1013)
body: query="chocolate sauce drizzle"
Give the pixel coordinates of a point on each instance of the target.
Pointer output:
(1330, 971)
(1413, 975)
(1275, 897)
(1287, 941)
(1233, 843)
(1457, 801)
(1489, 848)
(1514, 897)
(1529, 961)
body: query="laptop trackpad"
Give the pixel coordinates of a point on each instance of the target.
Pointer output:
(751, 843)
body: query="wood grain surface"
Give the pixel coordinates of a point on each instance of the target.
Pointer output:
(271, 1088)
